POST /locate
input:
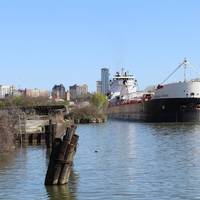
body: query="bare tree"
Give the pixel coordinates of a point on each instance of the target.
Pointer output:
(8, 130)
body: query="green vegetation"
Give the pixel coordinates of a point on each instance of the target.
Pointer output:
(2, 104)
(21, 101)
(82, 98)
(100, 101)
(95, 111)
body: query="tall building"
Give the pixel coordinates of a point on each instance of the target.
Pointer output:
(78, 90)
(6, 90)
(104, 80)
(67, 95)
(34, 93)
(98, 86)
(58, 91)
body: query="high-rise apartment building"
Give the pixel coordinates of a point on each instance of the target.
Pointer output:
(34, 93)
(104, 80)
(6, 90)
(98, 86)
(58, 92)
(77, 91)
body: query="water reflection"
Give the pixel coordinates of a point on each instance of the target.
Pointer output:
(117, 160)
(139, 161)
(173, 128)
(67, 192)
(7, 159)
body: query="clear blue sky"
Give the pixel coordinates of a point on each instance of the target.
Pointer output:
(44, 42)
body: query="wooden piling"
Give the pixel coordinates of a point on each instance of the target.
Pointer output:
(68, 161)
(61, 155)
(61, 159)
(39, 138)
(30, 138)
(50, 132)
(50, 180)
(34, 141)
(25, 139)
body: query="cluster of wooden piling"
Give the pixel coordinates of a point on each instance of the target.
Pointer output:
(32, 139)
(61, 158)
(47, 136)
(61, 141)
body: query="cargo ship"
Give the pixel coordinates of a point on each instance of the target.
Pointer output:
(172, 102)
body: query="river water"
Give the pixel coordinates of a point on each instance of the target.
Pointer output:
(116, 160)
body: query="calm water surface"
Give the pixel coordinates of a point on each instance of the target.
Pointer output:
(133, 161)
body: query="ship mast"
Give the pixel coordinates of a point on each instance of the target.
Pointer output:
(184, 64)
(122, 71)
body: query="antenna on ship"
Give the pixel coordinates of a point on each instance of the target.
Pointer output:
(122, 70)
(184, 64)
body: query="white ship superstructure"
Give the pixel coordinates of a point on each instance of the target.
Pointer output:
(123, 87)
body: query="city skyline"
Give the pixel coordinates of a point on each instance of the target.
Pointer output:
(47, 43)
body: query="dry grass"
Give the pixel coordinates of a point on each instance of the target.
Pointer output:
(87, 113)
(8, 121)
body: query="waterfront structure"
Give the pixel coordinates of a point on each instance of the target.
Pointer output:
(105, 81)
(58, 92)
(98, 86)
(78, 90)
(172, 102)
(34, 93)
(6, 90)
